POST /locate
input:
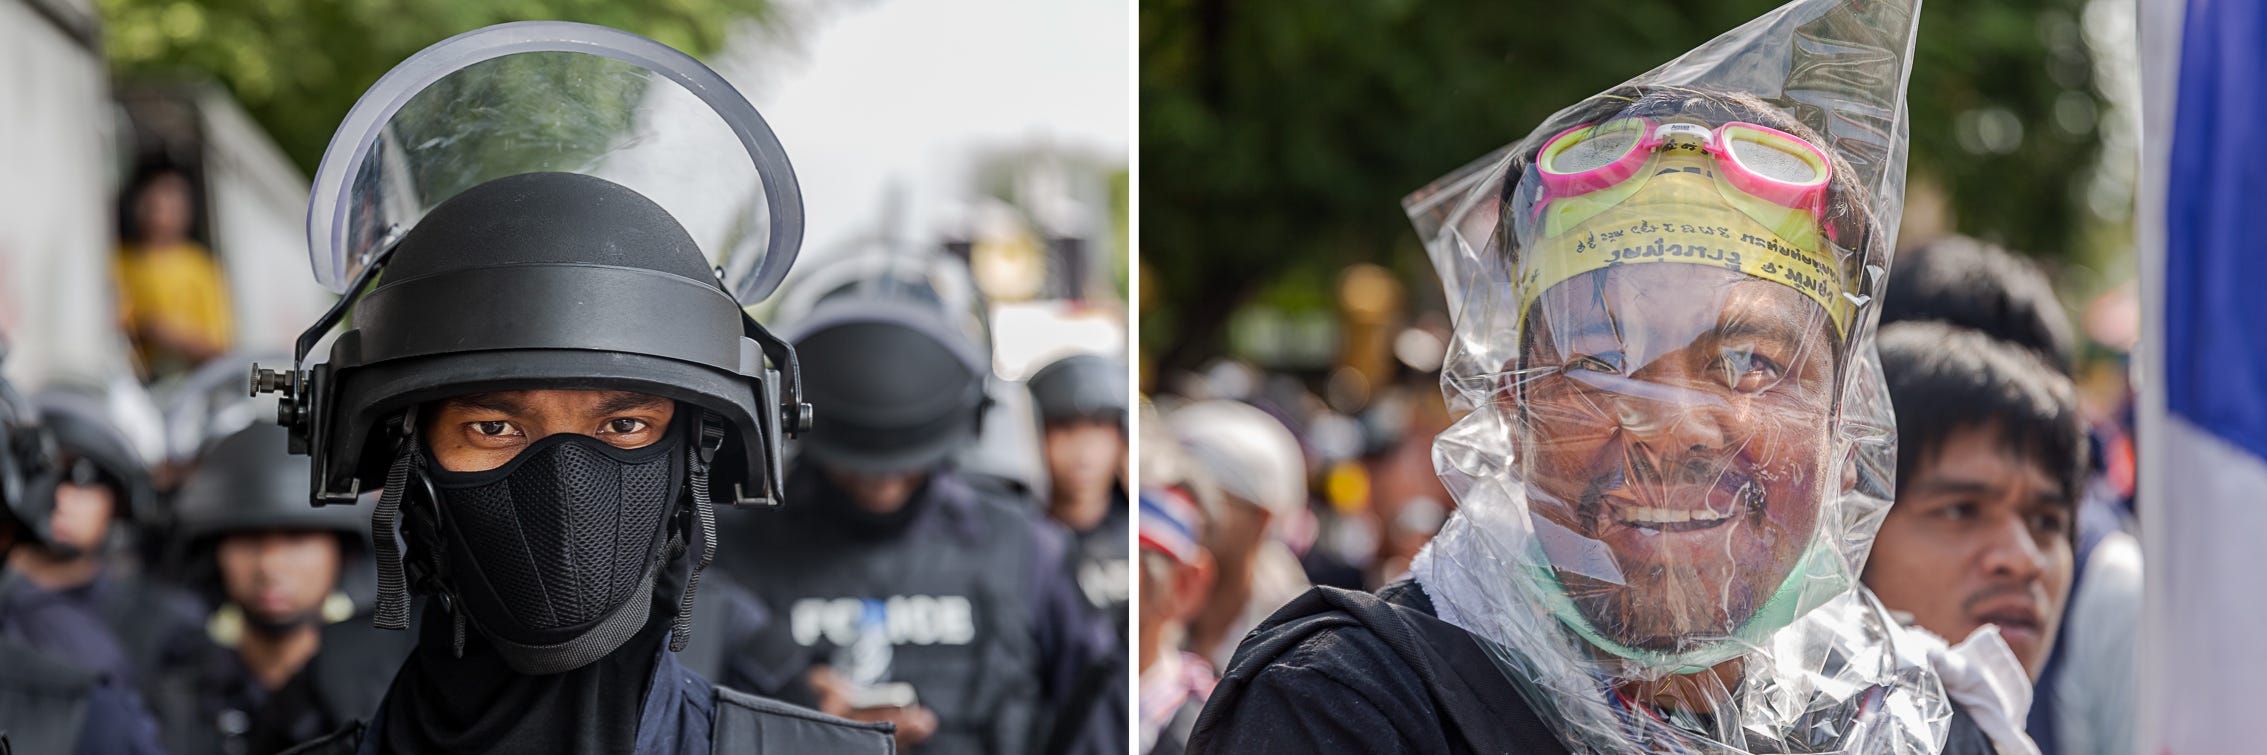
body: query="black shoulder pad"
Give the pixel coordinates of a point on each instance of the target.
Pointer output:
(753, 725)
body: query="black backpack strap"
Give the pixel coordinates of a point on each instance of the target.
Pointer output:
(749, 725)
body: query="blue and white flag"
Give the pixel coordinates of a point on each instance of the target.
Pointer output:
(2202, 218)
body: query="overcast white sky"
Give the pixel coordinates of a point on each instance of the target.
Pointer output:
(908, 90)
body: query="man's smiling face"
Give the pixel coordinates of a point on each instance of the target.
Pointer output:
(1674, 426)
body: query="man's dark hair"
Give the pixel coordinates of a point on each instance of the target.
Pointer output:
(1968, 283)
(1945, 379)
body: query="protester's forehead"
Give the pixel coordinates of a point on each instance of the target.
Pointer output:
(1987, 454)
(1673, 300)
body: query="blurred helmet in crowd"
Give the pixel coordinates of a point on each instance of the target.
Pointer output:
(1248, 454)
(100, 438)
(895, 359)
(248, 483)
(1081, 386)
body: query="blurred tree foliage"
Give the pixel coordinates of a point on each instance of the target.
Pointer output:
(298, 66)
(1278, 136)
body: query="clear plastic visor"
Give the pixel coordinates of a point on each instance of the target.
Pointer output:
(557, 96)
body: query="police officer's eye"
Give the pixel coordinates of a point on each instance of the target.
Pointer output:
(1746, 371)
(625, 426)
(1956, 512)
(494, 428)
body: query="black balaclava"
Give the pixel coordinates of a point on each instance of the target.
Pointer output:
(554, 554)
(566, 560)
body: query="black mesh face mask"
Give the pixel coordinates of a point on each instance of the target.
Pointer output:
(554, 555)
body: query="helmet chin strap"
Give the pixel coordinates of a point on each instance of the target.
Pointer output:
(393, 584)
(700, 517)
(395, 573)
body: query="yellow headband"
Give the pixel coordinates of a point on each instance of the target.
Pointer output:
(1681, 216)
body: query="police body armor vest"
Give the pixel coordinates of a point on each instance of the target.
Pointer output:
(43, 701)
(949, 596)
(1103, 567)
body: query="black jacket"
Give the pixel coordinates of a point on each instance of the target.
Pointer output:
(1353, 672)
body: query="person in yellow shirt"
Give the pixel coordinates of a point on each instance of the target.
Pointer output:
(172, 299)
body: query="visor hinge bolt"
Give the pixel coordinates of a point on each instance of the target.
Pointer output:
(270, 381)
(798, 419)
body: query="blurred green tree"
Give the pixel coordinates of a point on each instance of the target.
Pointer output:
(1278, 137)
(298, 66)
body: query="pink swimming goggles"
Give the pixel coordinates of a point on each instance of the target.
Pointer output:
(1592, 167)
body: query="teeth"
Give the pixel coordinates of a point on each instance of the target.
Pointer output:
(1647, 515)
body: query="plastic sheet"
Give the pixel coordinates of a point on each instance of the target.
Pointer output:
(1677, 446)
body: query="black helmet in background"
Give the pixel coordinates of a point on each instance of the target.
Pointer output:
(894, 358)
(1080, 386)
(896, 391)
(246, 482)
(93, 445)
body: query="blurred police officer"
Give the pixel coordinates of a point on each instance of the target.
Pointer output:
(1082, 401)
(906, 594)
(284, 663)
(78, 594)
(48, 704)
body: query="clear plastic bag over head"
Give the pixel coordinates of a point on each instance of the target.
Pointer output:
(558, 96)
(1676, 445)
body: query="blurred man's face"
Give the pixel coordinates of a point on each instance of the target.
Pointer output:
(877, 493)
(482, 431)
(1233, 539)
(1675, 435)
(281, 577)
(1978, 536)
(82, 515)
(1083, 458)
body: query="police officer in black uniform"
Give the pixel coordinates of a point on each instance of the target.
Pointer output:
(554, 391)
(901, 592)
(285, 661)
(553, 461)
(47, 704)
(1082, 402)
(78, 595)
